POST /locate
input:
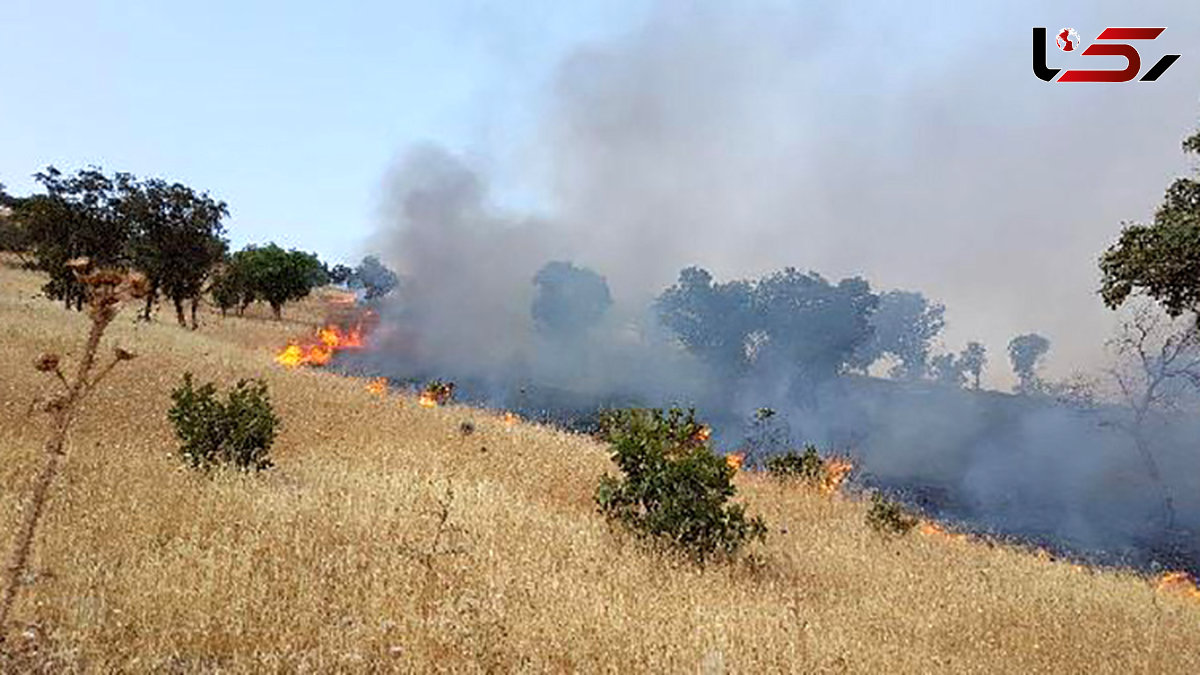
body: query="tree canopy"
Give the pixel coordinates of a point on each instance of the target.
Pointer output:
(973, 360)
(13, 236)
(948, 369)
(275, 276)
(789, 319)
(167, 231)
(1162, 259)
(810, 324)
(904, 325)
(375, 279)
(77, 216)
(230, 286)
(959, 369)
(340, 274)
(177, 238)
(712, 320)
(568, 300)
(1025, 352)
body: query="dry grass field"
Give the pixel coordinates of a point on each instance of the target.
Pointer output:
(386, 540)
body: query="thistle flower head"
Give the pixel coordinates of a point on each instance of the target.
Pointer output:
(47, 362)
(104, 277)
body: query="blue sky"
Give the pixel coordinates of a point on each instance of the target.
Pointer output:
(289, 111)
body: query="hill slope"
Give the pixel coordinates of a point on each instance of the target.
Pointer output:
(386, 539)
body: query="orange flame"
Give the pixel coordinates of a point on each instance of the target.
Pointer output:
(427, 400)
(704, 433)
(318, 351)
(511, 419)
(290, 356)
(735, 460)
(336, 338)
(836, 471)
(1177, 583)
(378, 386)
(932, 529)
(329, 336)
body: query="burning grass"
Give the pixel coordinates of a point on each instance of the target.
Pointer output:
(378, 386)
(937, 531)
(436, 393)
(735, 460)
(1177, 583)
(349, 556)
(827, 474)
(836, 471)
(319, 350)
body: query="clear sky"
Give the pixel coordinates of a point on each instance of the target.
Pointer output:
(289, 111)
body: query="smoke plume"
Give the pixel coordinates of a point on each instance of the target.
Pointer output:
(907, 144)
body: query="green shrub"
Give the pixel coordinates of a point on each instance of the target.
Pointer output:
(807, 466)
(674, 489)
(887, 517)
(238, 431)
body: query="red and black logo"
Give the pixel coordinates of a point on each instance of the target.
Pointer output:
(1068, 41)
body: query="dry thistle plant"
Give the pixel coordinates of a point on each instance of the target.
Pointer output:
(106, 290)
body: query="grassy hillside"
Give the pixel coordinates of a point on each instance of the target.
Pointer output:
(384, 539)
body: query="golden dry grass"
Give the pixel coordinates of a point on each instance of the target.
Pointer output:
(333, 560)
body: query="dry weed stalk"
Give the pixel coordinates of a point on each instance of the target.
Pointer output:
(440, 546)
(106, 291)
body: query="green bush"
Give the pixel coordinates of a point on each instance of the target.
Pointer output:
(674, 489)
(887, 517)
(807, 466)
(238, 431)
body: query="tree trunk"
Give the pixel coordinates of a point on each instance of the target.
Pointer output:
(150, 298)
(1164, 493)
(277, 310)
(179, 311)
(195, 303)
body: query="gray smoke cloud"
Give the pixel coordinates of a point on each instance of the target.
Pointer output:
(466, 267)
(464, 308)
(909, 144)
